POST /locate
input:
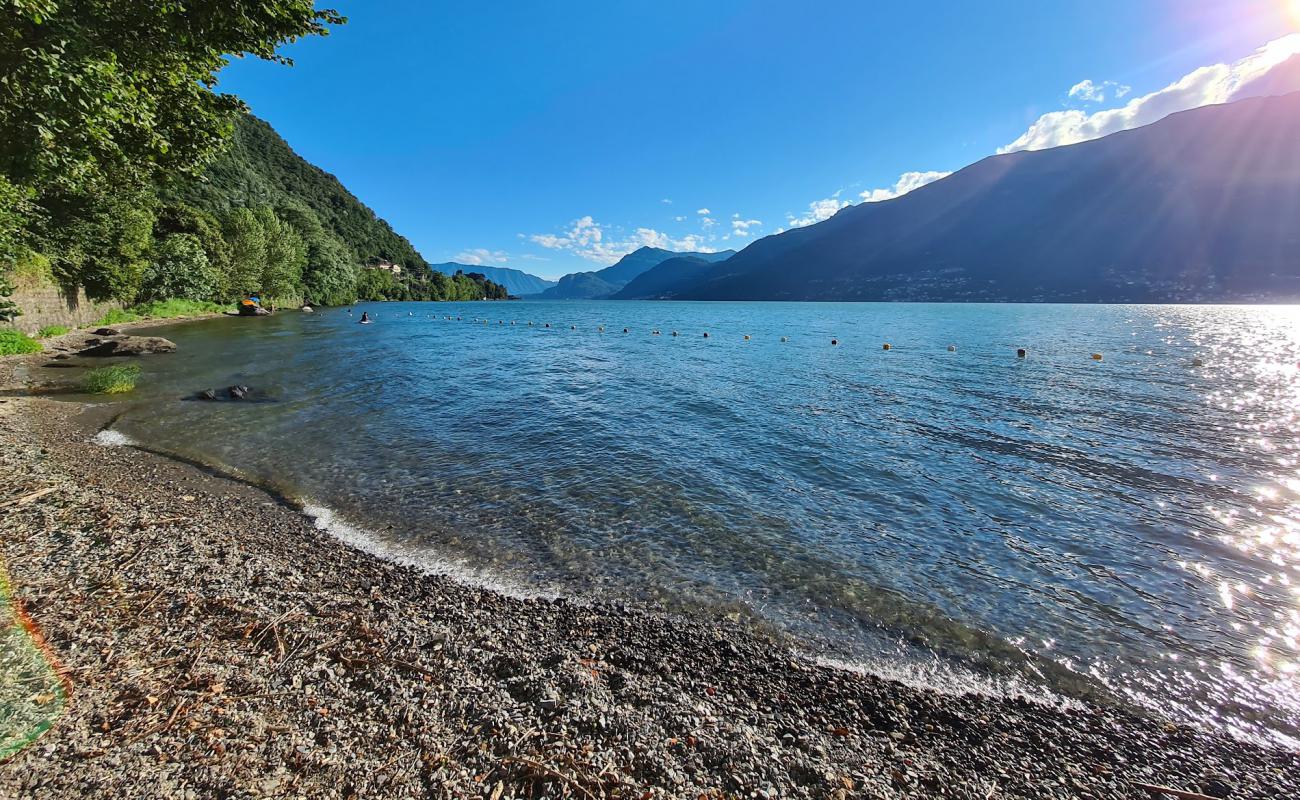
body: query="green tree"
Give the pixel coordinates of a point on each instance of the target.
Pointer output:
(330, 273)
(246, 240)
(286, 255)
(95, 89)
(103, 101)
(440, 287)
(181, 218)
(98, 238)
(179, 268)
(376, 284)
(15, 215)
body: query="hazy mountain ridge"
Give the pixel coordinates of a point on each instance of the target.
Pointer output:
(607, 281)
(1201, 206)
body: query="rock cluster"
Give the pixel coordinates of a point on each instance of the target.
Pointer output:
(107, 342)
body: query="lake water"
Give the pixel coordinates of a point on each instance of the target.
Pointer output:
(1126, 528)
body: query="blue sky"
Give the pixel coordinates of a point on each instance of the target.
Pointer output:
(552, 136)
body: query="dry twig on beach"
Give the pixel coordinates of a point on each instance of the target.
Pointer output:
(1156, 791)
(29, 498)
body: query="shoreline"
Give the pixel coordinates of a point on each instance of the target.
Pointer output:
(219, 642)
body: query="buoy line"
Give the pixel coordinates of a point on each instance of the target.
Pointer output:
(1021, 352)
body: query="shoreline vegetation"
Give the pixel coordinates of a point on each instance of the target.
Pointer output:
(123, 174)
(217, 643)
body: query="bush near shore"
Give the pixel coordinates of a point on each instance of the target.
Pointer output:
(14, 342)
(111, 380)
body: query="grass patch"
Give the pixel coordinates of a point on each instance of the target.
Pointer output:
(116, 317)
(160, 309)
(163, 309)
(14, 342)
(111, 380)
(32, 696)
(51, 330)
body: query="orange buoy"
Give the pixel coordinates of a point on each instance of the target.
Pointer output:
(747, 337)
(1096, 356)
(886, 346)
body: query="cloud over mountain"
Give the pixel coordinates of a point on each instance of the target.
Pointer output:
(1272, 69)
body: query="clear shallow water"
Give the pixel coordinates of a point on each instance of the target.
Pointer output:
(1130, 526)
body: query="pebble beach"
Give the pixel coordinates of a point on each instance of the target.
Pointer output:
(217, 643)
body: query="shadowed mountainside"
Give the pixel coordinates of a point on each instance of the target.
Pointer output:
(1201, 206)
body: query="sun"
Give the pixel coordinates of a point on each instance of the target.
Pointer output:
(1293, 8)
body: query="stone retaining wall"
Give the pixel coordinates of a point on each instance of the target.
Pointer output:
(44, 304)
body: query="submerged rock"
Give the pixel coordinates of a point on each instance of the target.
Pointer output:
(236, 393)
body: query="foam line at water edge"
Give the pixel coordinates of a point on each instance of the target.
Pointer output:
(951, 680)
(327, 520)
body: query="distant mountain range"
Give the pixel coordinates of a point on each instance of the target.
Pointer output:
(517, 282)
(611, 279)
(1201, 206)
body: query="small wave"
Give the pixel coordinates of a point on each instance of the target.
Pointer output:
(326, 519)
(112, 438)
(950, 680)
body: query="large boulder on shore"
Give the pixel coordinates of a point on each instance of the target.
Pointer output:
(124, 345)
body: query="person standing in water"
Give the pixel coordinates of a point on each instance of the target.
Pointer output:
(365, 316)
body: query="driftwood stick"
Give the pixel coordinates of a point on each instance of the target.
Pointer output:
(146, 606)
(555, 774)
(1158, 790)
(28, 498)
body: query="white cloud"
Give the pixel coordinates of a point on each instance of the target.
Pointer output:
(1219, 83)
(481, 255)
(708, 222)
(740, 227)
(703, 212)
(666, 201)
(1086, 91)
(818, 210)
(905, 183)
(586, 238)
